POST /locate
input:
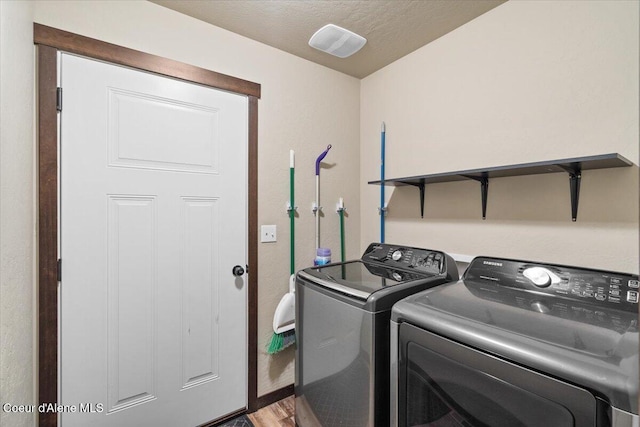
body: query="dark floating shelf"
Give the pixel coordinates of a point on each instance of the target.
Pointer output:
(573, 167)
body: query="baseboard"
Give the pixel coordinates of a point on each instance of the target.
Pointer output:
(273, 397)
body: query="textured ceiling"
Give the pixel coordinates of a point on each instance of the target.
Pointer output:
(393, 28)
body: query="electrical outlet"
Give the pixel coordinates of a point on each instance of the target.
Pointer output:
(268, 233)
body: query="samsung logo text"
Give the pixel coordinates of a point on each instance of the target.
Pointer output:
(497, 264)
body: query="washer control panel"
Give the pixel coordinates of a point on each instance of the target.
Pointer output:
(604, 288)
(405, 257)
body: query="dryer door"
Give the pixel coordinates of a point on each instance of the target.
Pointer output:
(443, 383)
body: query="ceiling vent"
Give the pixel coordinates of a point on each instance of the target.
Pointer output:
(337, 41)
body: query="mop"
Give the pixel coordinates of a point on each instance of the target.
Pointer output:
(284, 318)
(382, 209)
(316, 206)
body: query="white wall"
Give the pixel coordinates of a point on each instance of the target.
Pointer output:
(527, 81)
(17, 229)
(303, 107)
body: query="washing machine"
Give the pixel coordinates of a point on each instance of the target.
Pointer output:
(342, 331)
(518, 344)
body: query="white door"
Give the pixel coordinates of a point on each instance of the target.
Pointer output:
(153, 220)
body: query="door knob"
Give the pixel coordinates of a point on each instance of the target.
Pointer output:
(238, 271)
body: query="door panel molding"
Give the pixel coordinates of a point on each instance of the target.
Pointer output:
(131, 217)
(49, 41)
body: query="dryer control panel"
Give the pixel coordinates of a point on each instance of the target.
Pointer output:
(405, 257)
(603, 288)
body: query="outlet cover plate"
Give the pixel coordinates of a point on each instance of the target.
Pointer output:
(268, 233)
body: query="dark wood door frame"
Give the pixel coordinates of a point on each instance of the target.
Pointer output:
(49, 41)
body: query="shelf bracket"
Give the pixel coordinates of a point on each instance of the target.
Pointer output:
(484, 191)
(421, 188)
(575, 175)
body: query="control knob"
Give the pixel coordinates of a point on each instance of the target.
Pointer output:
(396, 255)
(538, 276)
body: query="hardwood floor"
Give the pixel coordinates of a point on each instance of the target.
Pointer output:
(279, 414)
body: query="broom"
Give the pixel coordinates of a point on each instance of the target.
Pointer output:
(284, 318)
(284, 333)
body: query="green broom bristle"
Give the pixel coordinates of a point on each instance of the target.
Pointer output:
(279, 342)
(274, 344)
